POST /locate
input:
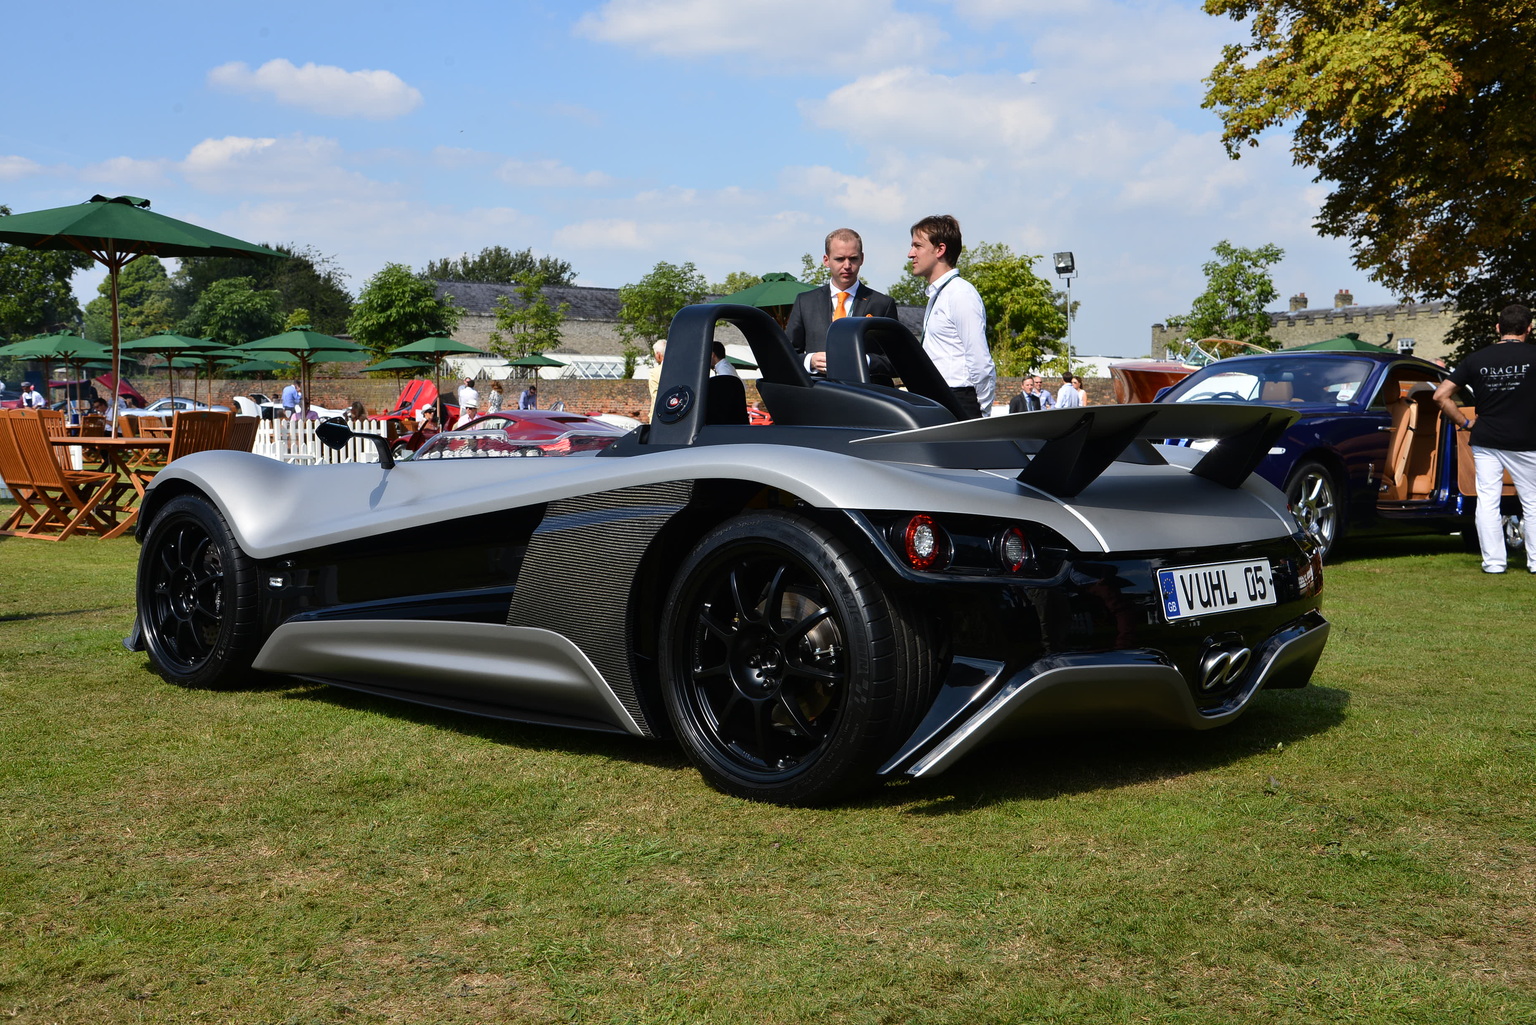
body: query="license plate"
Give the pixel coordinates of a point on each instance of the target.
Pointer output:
(1218, 587)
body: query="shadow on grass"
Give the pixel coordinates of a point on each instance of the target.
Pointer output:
(530, 736)
(1019, 769)
(22, 617)
(1042, 768)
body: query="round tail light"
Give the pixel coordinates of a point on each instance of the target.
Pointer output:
(923, 543)
(1013, 550)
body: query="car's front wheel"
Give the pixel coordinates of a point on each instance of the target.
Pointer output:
(197, 596)
(1317, 503)
(789, 674)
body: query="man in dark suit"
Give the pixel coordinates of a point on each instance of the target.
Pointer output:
(842, 296)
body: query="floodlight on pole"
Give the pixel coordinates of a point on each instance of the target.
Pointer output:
(1066, 267)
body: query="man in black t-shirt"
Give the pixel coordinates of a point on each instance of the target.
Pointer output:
(1502, 378)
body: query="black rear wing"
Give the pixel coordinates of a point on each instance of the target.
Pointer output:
(1065, 450)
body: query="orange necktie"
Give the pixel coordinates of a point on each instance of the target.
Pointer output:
(841, 309)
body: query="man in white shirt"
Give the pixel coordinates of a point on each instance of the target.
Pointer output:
(469, 402)
(955, 323)
(1067, 396)
(719, 362)
(31, 398)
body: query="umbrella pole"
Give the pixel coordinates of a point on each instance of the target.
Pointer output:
(113, 266)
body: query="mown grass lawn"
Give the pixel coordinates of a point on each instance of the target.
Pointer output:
(1361, 851)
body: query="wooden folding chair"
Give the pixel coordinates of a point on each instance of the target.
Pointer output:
(242, 433)
(191, 431)
(14, 472)
(71, 497)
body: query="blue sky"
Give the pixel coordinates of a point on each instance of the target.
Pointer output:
(616, 134)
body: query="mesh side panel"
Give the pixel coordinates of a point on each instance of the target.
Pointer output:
(579, 572)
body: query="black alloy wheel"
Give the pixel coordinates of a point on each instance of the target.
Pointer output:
(196, 596)
(789, 674)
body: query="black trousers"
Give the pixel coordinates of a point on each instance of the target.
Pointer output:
(966, 398)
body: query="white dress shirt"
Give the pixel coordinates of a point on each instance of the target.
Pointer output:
(1068, 397)
(955, 337)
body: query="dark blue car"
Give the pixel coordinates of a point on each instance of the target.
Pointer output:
(1370, 454)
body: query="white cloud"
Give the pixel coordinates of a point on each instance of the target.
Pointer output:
(12, 168)
(777, 35)
(549, 174)
(322, 88)
(603, 233)
(961, 115)
(291, 165)
(116, 175)
(860, 197)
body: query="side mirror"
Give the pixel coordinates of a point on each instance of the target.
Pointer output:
(334, 433)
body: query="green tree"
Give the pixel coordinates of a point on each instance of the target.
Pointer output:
(234, 311)
(35, 295)
(813, 271)
(1026, 315)
(1237, 290)
(1506, 277)
(736, 281)
(146, 303)
(646, 308)
(499, 265)
(306, 280)
(909, 290)
(527, 324)
(396, 307)
(1417, 112)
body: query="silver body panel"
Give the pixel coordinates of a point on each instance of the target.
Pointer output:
(275, 508)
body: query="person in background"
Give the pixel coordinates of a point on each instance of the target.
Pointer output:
(469, 403)
(1068, 397)
(493, 400)
(1502, 377)
(718, 361)
(293, 398)
(653, 378)
(31, 398)
(356, 412)
(842, 296)
(1082, 393)
(1028, 398)
(530, 398)
(955, 323)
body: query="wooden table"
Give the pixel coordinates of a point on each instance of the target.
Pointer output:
(115, 453)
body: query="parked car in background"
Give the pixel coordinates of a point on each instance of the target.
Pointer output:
(1369, 453)
(171, 405)
(257, 404)
(866, 589)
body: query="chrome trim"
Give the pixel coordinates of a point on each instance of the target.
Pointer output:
(510, 667)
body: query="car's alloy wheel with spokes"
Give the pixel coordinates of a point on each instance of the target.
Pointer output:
(196, 596)
(1314, 499)
(788, 673)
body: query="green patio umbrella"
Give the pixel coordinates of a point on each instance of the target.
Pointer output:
(258, 366)
(166, 345)
(62, 347)
(307, 348)
(776, 289)
(117, 231)
(1347, 342)
(538, 359)
(436, 349)
(397, 363)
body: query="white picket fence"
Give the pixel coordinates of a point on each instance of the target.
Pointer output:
(294, 441)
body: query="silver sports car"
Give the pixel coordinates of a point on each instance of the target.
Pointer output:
(870, 587)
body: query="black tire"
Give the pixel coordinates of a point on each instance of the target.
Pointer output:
(788, 673)
(197, 597)
(1314, 496)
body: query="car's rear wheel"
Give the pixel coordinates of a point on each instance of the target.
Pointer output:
(789, 673)
(1317, 503)
(197, 596)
